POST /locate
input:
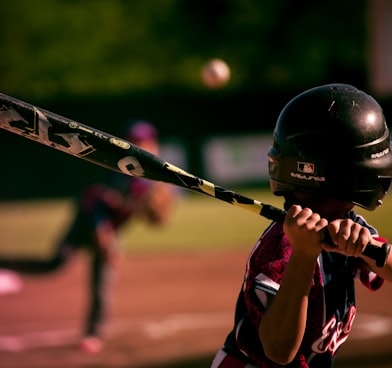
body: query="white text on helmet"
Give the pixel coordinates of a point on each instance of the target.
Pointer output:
(307, 177)
(380, 154)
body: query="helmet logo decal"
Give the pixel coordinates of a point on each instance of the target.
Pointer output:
(304, 169)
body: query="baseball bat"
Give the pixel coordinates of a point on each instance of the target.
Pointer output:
(117, 154)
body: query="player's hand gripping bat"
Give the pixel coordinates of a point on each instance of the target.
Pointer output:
(119, 155)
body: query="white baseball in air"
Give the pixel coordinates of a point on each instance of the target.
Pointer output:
(215, 73)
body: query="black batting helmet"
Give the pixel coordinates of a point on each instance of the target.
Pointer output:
(332, 140)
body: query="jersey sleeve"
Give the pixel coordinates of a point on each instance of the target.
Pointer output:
(370, 279)
(265, 270)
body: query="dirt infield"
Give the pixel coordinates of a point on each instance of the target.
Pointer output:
(168, 310)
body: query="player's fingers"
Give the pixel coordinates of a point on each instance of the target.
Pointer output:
(349, 237)
(339, 232)
(333, 231)
(314, 222)
(363, 240)
(293, 211)
(358, 239)
(345, 231)
(307, 218)
(302, 229)
(350, 240)
(321, 223)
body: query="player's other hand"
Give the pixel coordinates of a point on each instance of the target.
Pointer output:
(305, 230)
(347, 237)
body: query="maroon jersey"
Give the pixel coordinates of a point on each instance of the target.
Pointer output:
(331, 309)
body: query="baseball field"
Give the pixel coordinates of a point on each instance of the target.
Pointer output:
(173, 296)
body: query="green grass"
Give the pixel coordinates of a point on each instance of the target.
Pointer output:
(199, 222)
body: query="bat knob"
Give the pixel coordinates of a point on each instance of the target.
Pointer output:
(379, 254)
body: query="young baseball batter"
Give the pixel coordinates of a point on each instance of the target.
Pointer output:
(101, 210)
(330, 153)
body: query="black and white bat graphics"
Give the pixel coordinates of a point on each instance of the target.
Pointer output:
(117, 154)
